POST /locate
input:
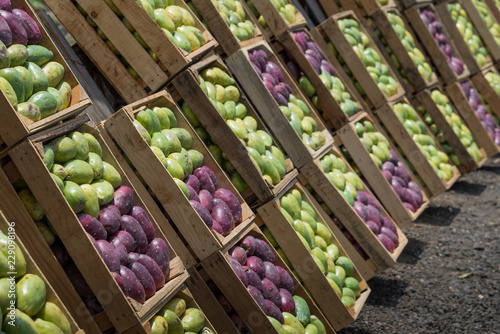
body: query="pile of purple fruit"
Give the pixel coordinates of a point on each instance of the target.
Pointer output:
(487, 119)
(399, 177)
(367, 207)
(271, 286)
(125, 238)
(218, 207)
(436, 29)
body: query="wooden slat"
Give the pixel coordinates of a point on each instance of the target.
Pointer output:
(373, 6)
(96, 49)
(486, 91)
(269, 110)
(125, 43)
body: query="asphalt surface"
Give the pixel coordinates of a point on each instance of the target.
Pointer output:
(447, 280)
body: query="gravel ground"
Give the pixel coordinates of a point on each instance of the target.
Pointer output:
(448, 277)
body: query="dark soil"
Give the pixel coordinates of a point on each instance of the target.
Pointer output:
(448, 277)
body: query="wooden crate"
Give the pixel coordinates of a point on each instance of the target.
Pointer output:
(331, 29)
(467, 163)
(329, 106)
(429, 43)
(337, 314)
(202, 241)
(378, 183)
(219, 270)
(219, 28)
(152, 75)
(276, 24)
(482, 29)
(15, 126)
(268, 108)
(55, 294)
(411, 150)
(467, 55)
(378, 254)
(416, 81)
(468, 116)
(187, 85)
(125, 314)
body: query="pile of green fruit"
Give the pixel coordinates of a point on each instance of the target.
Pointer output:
(32, 82)
(418, 131)
(488, 19)
(172, 145)
(469, 33)
(460, 129)
(370, 57)
(284, 7)
(225, 96)
(348, 183)
(493, 79)
(176, 317)
(318, 239)
(439, 135)
(408, 42)
(25, 310)
(175, 21)
(234, 15)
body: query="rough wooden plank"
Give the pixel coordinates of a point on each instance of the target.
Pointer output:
(276, 23)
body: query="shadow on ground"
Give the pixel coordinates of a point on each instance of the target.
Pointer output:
(439, 216)
(411, 253)
(467, 188)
